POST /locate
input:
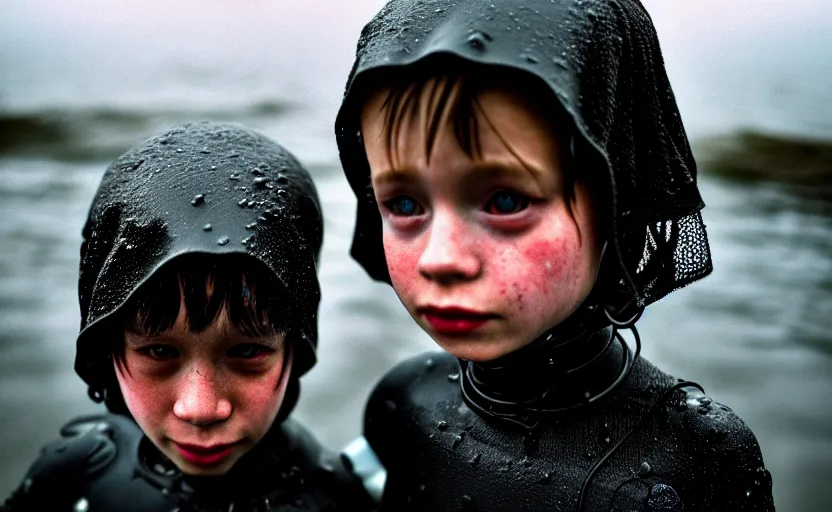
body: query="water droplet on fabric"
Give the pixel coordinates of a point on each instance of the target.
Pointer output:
(453, 377)
(223, 240)
(458, 440)
(207, 227)
(644, 470)
(82, 505)
(442, 425)
(531, 58)
(198, 200)
(479, 40)
(234, 177)
(242, 202)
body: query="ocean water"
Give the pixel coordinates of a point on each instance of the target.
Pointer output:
(82, 80)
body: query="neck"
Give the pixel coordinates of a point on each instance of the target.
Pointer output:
(566, 367)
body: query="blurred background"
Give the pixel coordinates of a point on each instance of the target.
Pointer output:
(82, 80)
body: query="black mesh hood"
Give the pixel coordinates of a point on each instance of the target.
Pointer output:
(203, 188)
(601, 60)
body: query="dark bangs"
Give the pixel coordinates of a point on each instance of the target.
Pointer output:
(249, 292)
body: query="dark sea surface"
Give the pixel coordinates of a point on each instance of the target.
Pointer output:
(82, 80)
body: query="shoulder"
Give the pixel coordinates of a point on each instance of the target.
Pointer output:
(325, 472)
(411, 375)
(86, 447)
(407, 397)
(719, 453)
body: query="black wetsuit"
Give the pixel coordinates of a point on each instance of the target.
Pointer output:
(105, 463)
(555, 429)
(681, 450)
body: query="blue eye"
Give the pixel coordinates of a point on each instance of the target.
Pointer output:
(403, 206)
(507, 202)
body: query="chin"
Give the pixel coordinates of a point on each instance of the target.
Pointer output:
(478, 351)
(192, 470)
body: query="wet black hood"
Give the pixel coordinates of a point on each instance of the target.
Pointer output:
(602, 62)
(199, 188)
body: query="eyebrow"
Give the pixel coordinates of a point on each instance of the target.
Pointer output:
(393, 177)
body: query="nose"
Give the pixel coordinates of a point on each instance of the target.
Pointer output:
(200, 400)
(450, 254)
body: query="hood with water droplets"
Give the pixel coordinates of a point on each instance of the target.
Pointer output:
(602, 62)
(204, 188)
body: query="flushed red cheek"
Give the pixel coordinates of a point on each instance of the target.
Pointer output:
(401, 265)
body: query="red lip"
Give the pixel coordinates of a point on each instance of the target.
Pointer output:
(453, 320)
(204, 455)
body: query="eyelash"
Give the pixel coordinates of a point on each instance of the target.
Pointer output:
(522, 202)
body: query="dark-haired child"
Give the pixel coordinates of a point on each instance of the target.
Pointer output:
(199, 297)
(526, 186)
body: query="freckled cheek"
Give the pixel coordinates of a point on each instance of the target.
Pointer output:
(146, 399)
(402, 263)
(260, 399)
(538, 271)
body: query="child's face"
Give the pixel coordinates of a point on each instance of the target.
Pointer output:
(485, 253)
(204, 399)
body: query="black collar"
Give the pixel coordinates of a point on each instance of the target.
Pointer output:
(567, 367)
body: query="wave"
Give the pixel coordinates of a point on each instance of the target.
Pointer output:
(103, 133)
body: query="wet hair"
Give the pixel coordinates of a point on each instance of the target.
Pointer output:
(208, 285)
(436, 79)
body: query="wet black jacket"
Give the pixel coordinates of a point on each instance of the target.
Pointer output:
(105, 463)
(688, 453)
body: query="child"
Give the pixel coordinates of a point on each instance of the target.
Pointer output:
(526, 186)
(199, 297)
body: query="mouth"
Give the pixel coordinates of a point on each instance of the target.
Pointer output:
(204, 455)
(454, 320)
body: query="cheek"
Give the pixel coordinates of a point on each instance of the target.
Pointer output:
(539, 272)
(402, 261)
(261, 398)
(145, 399)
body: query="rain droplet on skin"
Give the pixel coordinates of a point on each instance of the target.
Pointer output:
(223, 240)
